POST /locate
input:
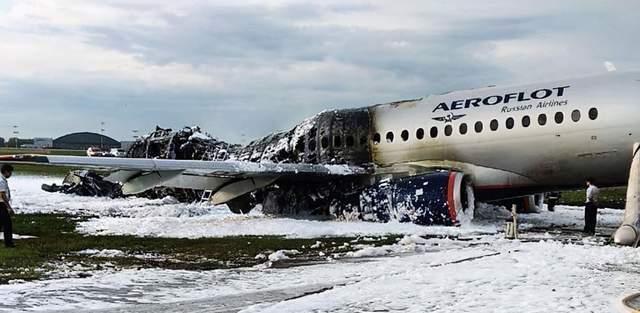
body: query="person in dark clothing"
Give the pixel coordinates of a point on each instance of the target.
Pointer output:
(6, 211)
(591, 207)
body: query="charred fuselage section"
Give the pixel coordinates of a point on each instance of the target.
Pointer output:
(331, 137)
(189, 143)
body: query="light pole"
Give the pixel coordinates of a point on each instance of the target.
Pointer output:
(16, 132)
(101, 133)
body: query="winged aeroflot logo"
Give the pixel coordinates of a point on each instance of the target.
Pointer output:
(450, 117)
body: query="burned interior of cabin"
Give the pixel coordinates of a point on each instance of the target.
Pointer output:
(331, 137)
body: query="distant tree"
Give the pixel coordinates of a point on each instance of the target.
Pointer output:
(12, 142)
(1, 142)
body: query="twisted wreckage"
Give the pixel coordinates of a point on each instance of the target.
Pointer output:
(188, 143)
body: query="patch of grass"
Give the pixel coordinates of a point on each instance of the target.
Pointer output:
(41, 170)
(32, 169)
(9, 151)
(57, 241)
(613, 197)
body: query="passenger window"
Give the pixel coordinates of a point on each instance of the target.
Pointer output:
(376, 138)
(526, 121)
(300, 145)
(390, 137)
(559, 117)
(463, 128)
(337, 141)
(575, 115)
(448, 130)
(324, 142)
(312, 145)
(493, 125)
(350, 141)
(478, 127)
(420, 133)
(433, 132)
(542, 119)
(510, 123)
(404, 135)
(593, 113)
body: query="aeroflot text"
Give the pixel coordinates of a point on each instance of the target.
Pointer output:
(498, 99)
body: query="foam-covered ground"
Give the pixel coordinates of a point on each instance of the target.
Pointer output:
(168, 218)
(484, 273)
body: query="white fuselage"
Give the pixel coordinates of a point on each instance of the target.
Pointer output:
(561, 153)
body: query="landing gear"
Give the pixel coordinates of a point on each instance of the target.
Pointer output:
(552, 200)
(627, 234)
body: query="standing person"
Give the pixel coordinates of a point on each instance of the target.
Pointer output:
(6, 211)
(591, 207)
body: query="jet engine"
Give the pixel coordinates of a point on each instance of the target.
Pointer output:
(439, 198)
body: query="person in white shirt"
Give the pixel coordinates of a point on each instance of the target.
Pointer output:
(6, 211)
(591, 207)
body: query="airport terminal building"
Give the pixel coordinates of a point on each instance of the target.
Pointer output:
(84, 140)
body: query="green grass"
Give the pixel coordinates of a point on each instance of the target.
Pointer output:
(57, 240)
(613, 197)
(33, 169)
(9, 151)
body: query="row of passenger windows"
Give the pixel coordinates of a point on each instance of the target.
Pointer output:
(478, 127)
(350, 141)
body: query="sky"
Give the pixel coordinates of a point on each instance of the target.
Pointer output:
(243, 69)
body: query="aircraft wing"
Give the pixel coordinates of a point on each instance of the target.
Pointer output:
(190, 167)
(230, 177)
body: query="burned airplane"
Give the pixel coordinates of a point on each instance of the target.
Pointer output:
(418, 160)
